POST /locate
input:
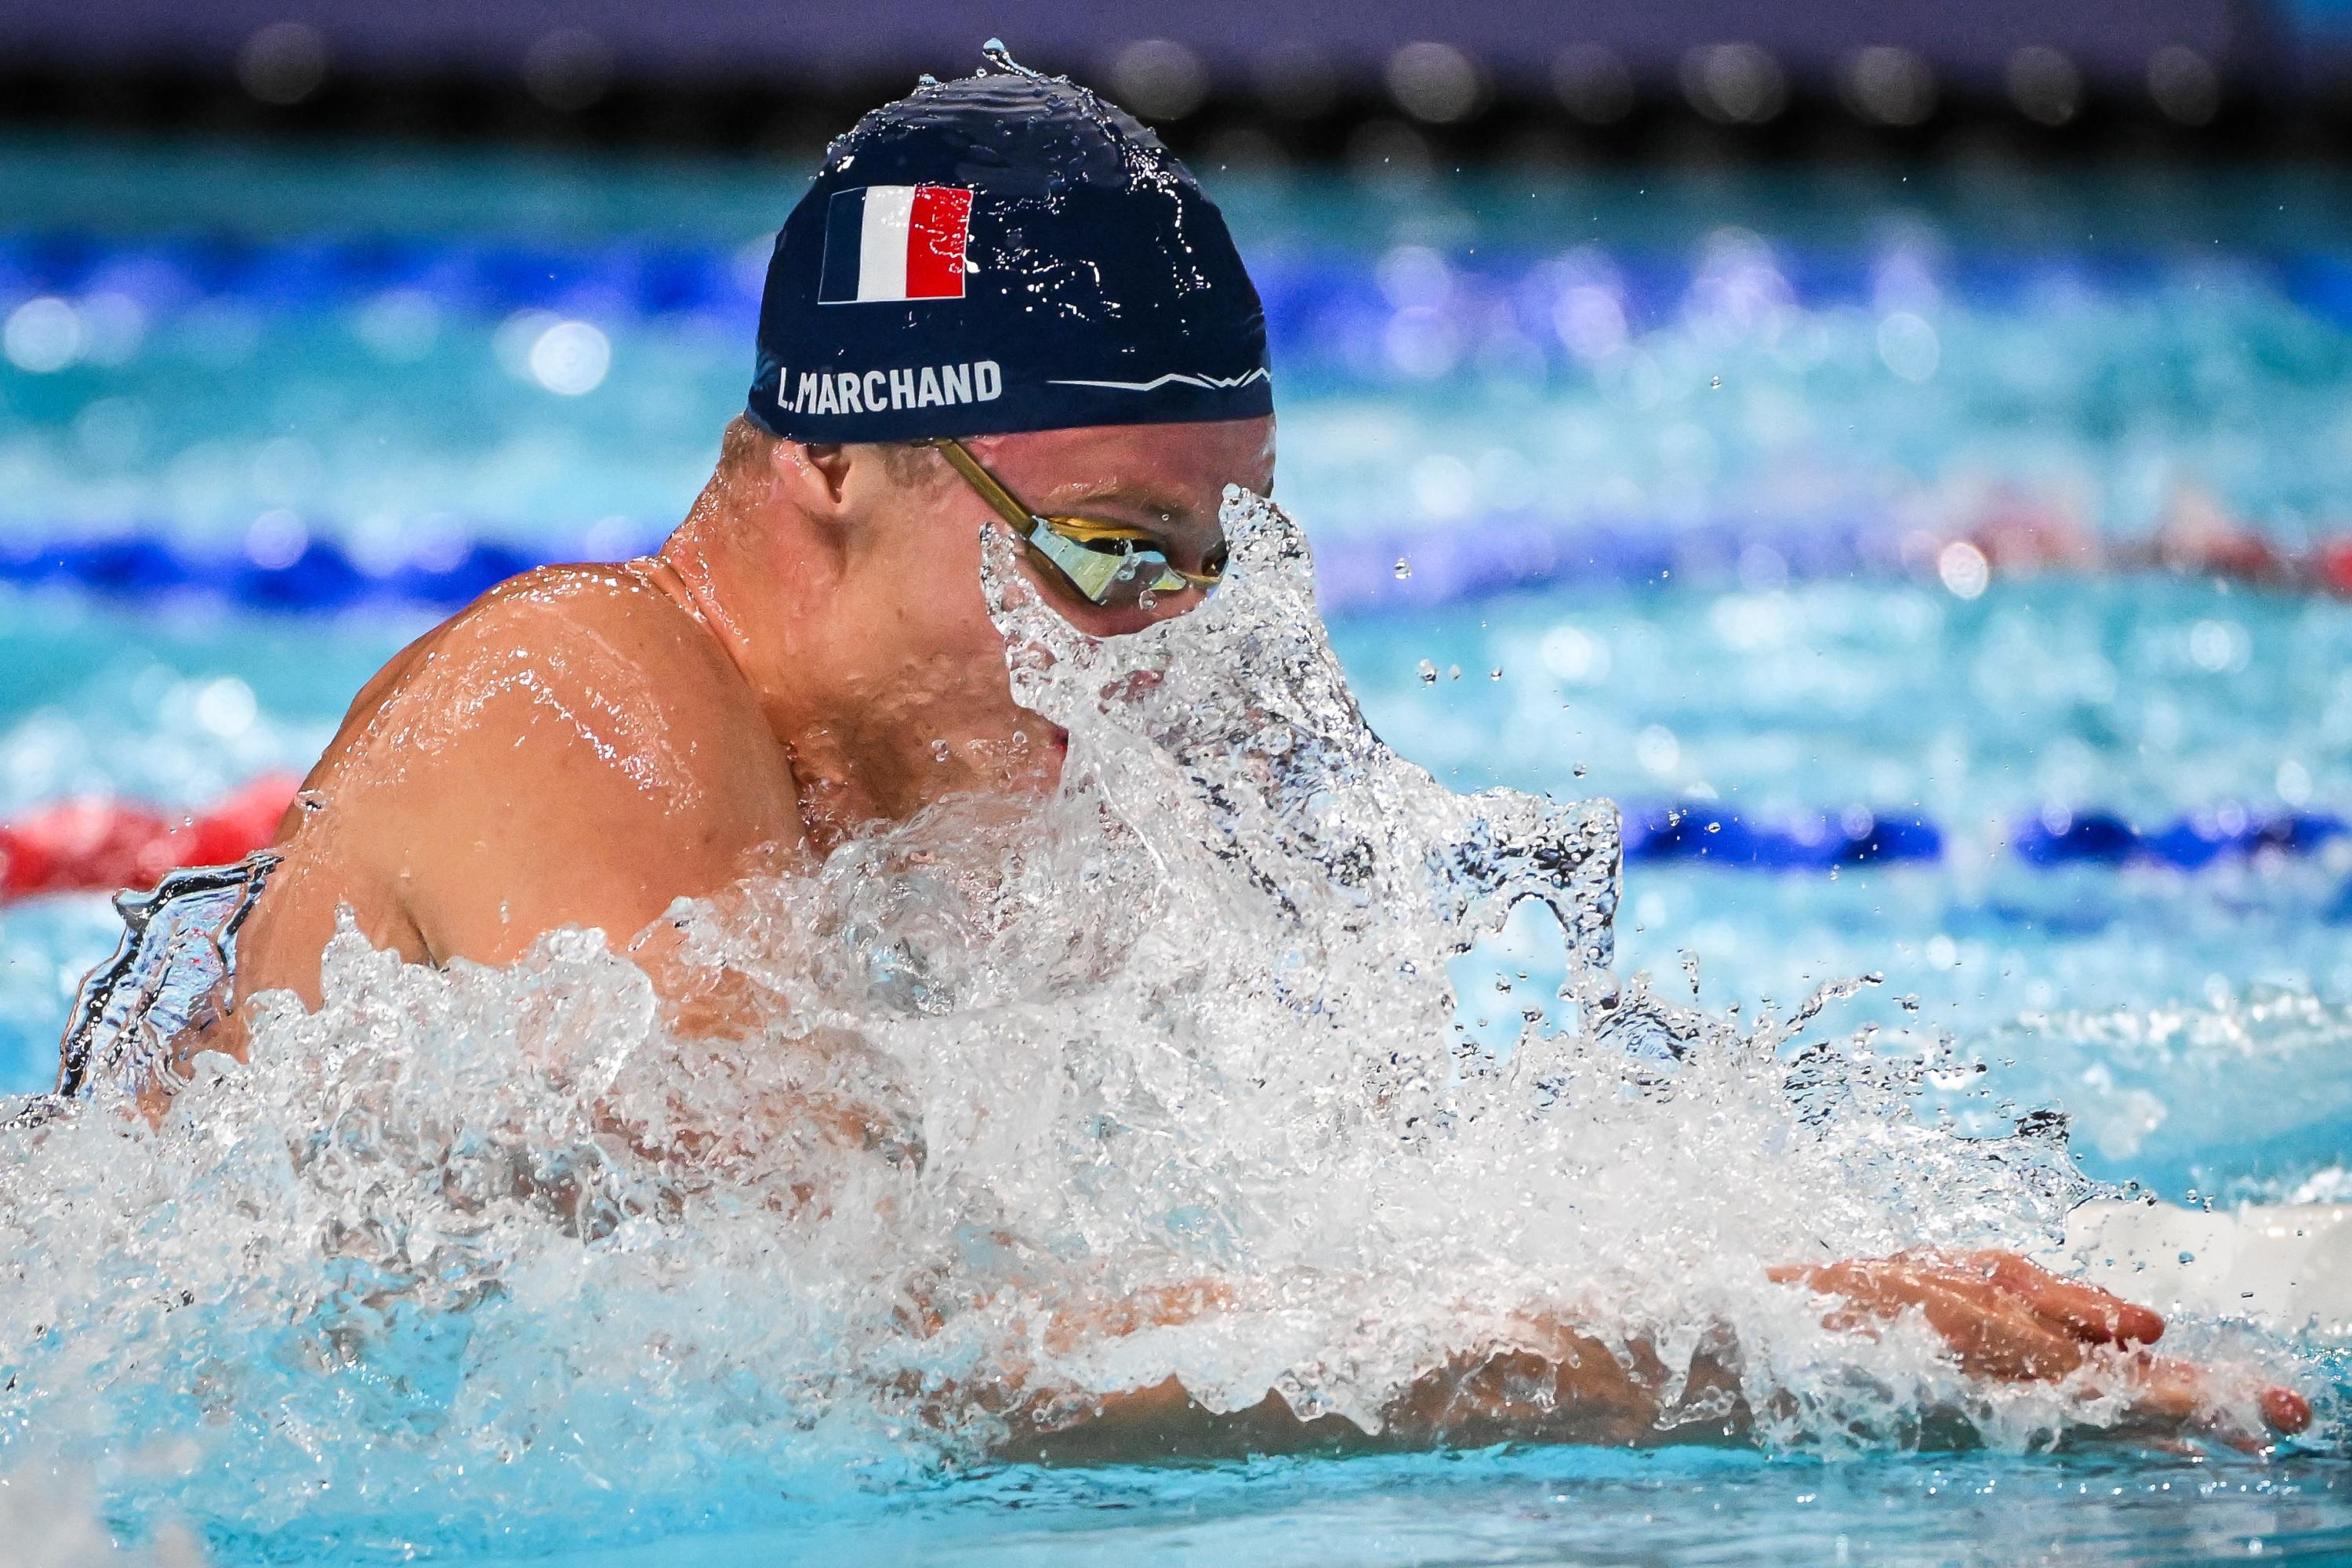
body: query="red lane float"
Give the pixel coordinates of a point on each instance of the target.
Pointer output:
(78, 845)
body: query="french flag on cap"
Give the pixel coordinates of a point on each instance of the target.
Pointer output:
(895, 242)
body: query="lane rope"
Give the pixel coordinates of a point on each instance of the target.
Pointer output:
(1356, 574)
(101, 845)
(1317, 301)
(1323, 308)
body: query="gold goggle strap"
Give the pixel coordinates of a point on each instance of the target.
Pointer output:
(1093, 571)
(1023, 520)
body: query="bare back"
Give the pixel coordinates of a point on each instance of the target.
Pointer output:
(574, 749)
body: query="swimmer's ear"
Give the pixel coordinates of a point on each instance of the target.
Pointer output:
(822, 463)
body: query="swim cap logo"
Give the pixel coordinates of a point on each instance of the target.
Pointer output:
(895, 242)
(1121, 300)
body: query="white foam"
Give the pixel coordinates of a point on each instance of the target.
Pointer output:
(2285, 1267)
(495, 1245)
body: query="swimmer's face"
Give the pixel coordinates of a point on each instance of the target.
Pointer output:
(1166, 481)
(919, 587)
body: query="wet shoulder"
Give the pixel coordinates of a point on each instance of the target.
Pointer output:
(595, 656)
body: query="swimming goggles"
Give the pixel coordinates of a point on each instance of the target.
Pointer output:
(1109, 563)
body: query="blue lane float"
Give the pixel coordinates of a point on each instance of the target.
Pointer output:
(322, 577)
(2190, 844)
(168, 275)
(1718, 837)
(1355, 574)
(1709, 836)
(1325, 308)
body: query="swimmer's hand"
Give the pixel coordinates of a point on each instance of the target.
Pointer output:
(2008, 1319)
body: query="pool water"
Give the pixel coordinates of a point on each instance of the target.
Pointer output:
(1598, 1506)
(1790, 379)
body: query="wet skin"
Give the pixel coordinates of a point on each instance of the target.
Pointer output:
(810, 652)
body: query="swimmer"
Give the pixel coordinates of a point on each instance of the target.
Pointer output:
(1002, 304)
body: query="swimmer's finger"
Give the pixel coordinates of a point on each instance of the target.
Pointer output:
(2286, 1411)
(2169, 1393)
(2003, 1318)
(2098, 1316)
(2177, 1394)
(1865, 1280)
(1885, 1286)
(1991, 1338)
(1990, 1331)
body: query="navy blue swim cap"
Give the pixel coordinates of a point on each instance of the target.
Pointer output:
(1003, 252)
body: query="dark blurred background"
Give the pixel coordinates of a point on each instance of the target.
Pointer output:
(1371, 81)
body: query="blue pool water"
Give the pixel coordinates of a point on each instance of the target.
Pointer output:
(1598, 1506)
(1711, 416)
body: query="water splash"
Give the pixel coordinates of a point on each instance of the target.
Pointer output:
(2239, 1098)
(529, 1254)
(169, 977)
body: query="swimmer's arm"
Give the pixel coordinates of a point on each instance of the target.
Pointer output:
(1573, 1389)
(2002, 1317)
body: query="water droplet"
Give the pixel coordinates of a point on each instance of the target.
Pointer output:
(2188, 1257)
(1403, 569)
(1578, 770)
(1452, 672)
(940, 752)
(1428, 673)
(1495, 673)
(1716, 384)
